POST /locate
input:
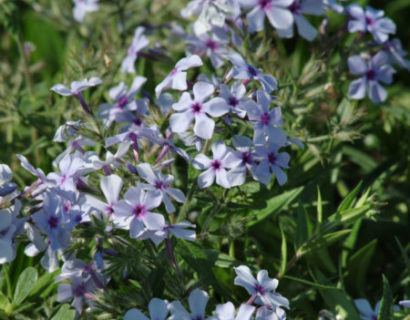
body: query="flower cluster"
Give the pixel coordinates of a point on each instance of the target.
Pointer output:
(262, 291)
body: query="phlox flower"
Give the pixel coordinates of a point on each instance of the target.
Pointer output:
(111, 187)
(135, 208)
(70, 171)
(124, 103)
(334, 5)
(10, 227)
(81, 7)
(197, 109)
(244, 71)
(276, 11)
(157, 310)
(270, 160)
(246, 154)
(262, 288)
(111, 160)
(396, 53)
(181, 230)
(370, 20)
(75, 90)
(6, 187)
(177, 78)
(227, 312)
(405, 303)
(197, 301)
(305, 29)
(66, 131)
(235, 98)
(160, 182)
(377, 69)
(211, 46)
(53, 221)
(139, 41)
(76, 144)
(223, 159)
(79, 289)
(265, 120)
(366, 311)
(265, 313)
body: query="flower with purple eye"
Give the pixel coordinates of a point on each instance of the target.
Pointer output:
(370, 20)
(79, 289)
(120, 110)
(177, 77)
(265, 313)
(276, 11)
(81, 7)
(244, 71)
(265, 120)
(396, 53)
(367, 312)
(70, 171)
(139, 41)
(246, 155)
(305, 29)
(160, 182)
(377, 69)
(270, 160)
(235, 98)
(197, 301)
(215, 168)
(262, 289)
(227, 312)
(158, 310)
(211, 46)
(135, 208)
(53, 221)
(198, 109)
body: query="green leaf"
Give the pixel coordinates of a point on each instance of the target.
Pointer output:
(46, 280)
(358, 264)
(404, 255)
(64, 313)
(319, 210)
(284, 254)
(348, 202)
(274, 205)
(386, 307)
(25, 284)
(311, 284)
(325, 240)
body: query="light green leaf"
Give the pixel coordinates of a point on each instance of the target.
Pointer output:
(274, 205)
(284, 253)
(65, 313)
(25, 284)
(386, 307)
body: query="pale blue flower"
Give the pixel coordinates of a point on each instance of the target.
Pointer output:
(396, 53)
(263, 288)
(81, 7)
(197, 302)
(377, 69)
(124, 102)
(223, 159)
(305, 29)
(370, 20)
(277, 12)
(270, 160)
(211, 46)
(136, 208)
(181, 230)
(235, 98)
(227, 312)
(266, 120)
(405, 303)
(160, 182)
(158, 310)
(139, 41)
(265, 313)
(177, 78)
(244, 71)
(197, 110)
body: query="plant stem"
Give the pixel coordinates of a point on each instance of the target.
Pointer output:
(185, 207)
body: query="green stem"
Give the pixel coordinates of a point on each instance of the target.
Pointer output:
(27, 74)
(185, 207)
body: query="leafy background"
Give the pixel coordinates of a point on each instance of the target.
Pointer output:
(330, 233)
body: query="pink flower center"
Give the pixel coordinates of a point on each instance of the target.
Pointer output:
(259, 289)
(247, 158)
(160, 185)
(265, 4)
(265, 119)
(252, 71)
(369, 21)
(122, 102)
(211, 44)
(233, 101)
(371, 75)
(175, 70)
(52, 222)
(139, 211)
(295, 8)
(216, 165)
(272, 158)
(196, 108)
